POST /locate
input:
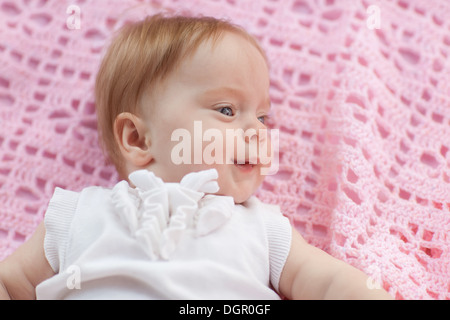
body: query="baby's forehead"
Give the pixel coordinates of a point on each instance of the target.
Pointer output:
(227, 53)
(228, 45)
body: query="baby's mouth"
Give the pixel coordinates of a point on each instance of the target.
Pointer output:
(244, 165)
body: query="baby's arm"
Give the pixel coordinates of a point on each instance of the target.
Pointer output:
(310, 273)
(21, 272)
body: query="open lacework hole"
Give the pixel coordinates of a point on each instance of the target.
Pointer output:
(26, 194)
(3, 234)
(19, 237)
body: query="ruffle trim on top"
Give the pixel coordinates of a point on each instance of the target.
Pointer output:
(157, 214)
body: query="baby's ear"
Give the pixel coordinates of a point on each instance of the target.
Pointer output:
(132, 138)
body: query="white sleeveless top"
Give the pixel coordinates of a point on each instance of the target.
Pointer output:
(162, 241)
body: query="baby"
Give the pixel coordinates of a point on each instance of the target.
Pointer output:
(182, 224)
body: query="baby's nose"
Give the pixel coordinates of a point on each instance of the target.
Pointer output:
(255, 135)
(251, 135)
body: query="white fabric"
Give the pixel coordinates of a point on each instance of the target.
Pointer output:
(162, 241)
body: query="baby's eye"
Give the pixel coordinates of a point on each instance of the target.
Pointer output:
(226, 111)
(262, 119)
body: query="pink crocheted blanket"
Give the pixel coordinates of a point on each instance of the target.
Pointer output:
(361, 97)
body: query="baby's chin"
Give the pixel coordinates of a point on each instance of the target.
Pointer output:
(240, 199)
(240, 189)
(239, 196)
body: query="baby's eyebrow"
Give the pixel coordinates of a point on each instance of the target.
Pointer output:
(233, 92)
(228, 91)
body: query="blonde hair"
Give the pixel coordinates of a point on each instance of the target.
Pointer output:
(140, 55)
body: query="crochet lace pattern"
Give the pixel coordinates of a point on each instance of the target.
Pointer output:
(360, 94)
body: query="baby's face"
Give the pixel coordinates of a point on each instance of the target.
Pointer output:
(219, 92)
